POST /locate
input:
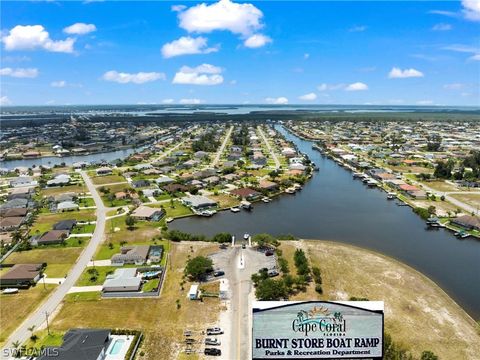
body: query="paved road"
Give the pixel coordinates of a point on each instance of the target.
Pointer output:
(37, 318)
(456, 202)
(222, 147)
(272, 153)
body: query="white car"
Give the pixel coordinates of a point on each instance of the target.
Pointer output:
(214, 331)
(212, 341)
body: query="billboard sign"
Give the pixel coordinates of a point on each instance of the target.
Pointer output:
(317, 330)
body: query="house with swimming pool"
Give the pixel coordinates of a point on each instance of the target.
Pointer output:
(94, 344)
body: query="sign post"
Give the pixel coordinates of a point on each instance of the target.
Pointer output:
(317, 330)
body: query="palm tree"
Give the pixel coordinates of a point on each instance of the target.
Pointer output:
(16, 344)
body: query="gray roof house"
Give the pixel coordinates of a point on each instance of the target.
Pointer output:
(198, 201)
(67, 206)
(23, 181)
(122, 280)
(131, 255)
(80, 344)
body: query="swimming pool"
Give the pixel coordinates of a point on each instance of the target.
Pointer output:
(116, 347)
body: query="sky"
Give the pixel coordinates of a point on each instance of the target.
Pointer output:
(225, 52)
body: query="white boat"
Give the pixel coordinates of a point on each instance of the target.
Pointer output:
(246, 205)
(169, 219)
(297, 187)
(357, 175)
(208, 213)
(391, 196)
(10, 291)
(290, 191)
(234, 209)
(266, 200)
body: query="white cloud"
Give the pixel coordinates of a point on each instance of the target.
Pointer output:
(442, 27)
(397, 73)
(204, 74)
(358, 28)
(190, 101)
(4, 101)
(178, 8)
(58, 84)
(277, 101)
(80, 29)
(326, 87)
(187, 45)
(358, 86)
(454, 86)
(257, 40)
(31, 37)
(475, 57)
(471, 9)
(168, 101)
(424, 102)
(136, 78)
(306, 56)
(242, 19)
(19, 72)
(308, 97)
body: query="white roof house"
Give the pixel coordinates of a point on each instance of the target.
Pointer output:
(23, 181)
(193, 292)
(61, 179)
(66, 205)
(122, 280)
(198, 201)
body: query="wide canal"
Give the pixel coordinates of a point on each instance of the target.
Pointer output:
(334, 206)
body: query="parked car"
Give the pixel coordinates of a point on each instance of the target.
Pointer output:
(212, 341)
(212, 351)
(269, 253)
(218, 273)
(244, 246)
(273, 273)
(214, 331)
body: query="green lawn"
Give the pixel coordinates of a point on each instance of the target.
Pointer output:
(84, 229)
(64, 189)
(150, 285)
(178, 210)
(86, 202)
(83, 296)
(45, 222)
(107, 179)
(44, 339)
(88, 278)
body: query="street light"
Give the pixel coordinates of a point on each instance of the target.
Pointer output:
(48, 327)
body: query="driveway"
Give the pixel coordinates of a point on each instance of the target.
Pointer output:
(37, 318)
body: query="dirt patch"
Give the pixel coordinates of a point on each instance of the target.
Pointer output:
(418, 313)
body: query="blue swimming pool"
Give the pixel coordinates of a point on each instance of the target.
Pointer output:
(117, 346)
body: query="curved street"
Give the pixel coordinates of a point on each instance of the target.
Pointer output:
(38, 317)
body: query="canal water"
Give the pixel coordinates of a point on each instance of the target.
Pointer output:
(334, 206)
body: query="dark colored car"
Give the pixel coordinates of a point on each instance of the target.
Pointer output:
(268, 253)
(212, 351)
(218, 273)
(244, 246)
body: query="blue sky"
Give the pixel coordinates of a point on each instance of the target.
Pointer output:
(314, 52)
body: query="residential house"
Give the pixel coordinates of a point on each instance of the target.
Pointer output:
(122, 280)
(148, 213)
(268, 185)
(163, 180)
(66, 206)
(200, 155)
(52, 237)
(21, 275)
(246, 193)
(23, 181)
(15, 203)
(468, 222)
(104, 171)
(14, 212)
(198, 202)
(59, 180)
(11, 223)
(131, 255)
(80, 344)
(140, 183)
(67, 225)
(172, 188)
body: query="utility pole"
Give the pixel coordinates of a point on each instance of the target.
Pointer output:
(48, 327)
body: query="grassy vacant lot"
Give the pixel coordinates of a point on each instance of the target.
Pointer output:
(440, 185)
(178, 210)
(14, 308)
(45, 222)
(418, 314)
(63, 189)
(143, 234)
(107, 179)
(103, 271)
(59, 260)
(160, 319)
(470, 199)
(225, 201)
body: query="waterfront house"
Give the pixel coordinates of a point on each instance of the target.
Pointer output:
(148, 213)
(198, 202)
(80, 344)
(467, 222)
(122, 280)
(21, 275)
(246, 193)
(268, 185)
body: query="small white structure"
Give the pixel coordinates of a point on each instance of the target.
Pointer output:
(193, 292)
(223, 289)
